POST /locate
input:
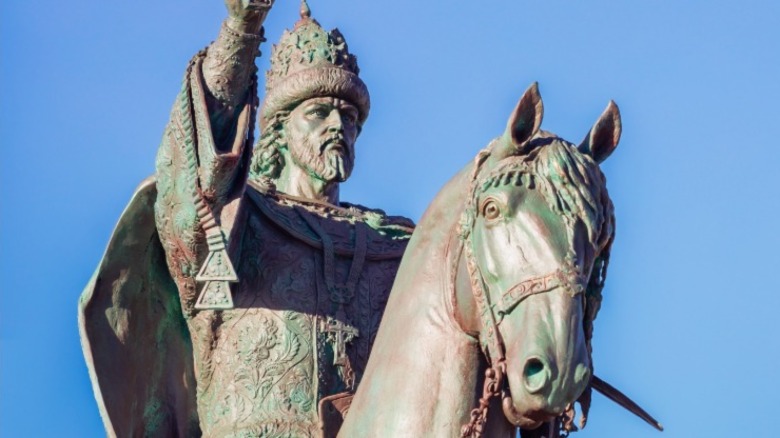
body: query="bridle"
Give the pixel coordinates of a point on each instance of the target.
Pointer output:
(492, 314)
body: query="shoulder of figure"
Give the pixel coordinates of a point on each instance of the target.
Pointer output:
(394, 226)
(378, 219)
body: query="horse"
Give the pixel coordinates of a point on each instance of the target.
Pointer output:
(488, 325)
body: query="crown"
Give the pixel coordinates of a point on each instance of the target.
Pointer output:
(311, 62)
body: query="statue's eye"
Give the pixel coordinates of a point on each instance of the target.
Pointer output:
(491, 210)
(350, 117)
(318, 113)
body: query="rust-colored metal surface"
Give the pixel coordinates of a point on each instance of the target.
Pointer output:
(239, 297)
(497, 293)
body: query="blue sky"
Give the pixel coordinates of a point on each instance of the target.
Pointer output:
(689, 325)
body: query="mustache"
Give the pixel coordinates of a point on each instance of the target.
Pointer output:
(336, 140)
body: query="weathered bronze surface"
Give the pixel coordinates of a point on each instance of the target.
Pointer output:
(502, 290)
(238, 297)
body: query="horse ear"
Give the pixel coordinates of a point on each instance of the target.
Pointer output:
(523, 124)
(604, 136)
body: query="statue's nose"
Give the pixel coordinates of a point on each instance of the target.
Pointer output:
(335, 123)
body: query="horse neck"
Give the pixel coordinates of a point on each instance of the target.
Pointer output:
(432, 258)
(422, 378)
(434, 265)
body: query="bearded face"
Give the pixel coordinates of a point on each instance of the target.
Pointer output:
(321, 135)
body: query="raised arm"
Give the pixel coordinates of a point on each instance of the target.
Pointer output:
(229, 65)
(203, 160)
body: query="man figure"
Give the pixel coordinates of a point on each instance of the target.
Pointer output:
(238, 297)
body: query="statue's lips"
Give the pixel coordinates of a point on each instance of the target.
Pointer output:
(335, 145)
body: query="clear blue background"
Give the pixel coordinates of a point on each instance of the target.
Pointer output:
(689, 325)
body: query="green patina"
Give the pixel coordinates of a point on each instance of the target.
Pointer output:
(265, 350)
(239, 297)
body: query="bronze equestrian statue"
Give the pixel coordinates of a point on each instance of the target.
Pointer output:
(239, 297)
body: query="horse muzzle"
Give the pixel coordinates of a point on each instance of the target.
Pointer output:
(548, 368)
(541, 393)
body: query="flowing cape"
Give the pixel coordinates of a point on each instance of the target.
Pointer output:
(135, 340)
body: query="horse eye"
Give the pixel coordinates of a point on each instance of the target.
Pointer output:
(490, 210)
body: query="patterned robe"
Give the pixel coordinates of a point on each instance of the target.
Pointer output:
(313, 282)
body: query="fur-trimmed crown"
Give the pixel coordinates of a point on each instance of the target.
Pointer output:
(311, 62)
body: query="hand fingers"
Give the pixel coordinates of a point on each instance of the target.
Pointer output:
(257, 5)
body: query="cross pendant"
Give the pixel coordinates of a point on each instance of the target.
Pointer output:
(339, 335)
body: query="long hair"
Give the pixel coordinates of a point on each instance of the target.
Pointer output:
(267, 159)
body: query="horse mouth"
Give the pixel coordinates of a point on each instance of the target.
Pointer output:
(529, 420)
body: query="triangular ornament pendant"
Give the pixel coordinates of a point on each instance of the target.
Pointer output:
(217, 267)
(217, 272)
(215, 296)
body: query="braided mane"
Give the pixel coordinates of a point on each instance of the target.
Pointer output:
(571, 182)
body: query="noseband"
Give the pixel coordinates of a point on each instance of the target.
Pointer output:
(491, 315)
(565, 277)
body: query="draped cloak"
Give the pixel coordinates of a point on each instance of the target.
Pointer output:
(314, 281)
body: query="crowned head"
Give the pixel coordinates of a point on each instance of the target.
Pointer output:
(311, 62)
(315, 104)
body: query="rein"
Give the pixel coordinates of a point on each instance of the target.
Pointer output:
(491, 315)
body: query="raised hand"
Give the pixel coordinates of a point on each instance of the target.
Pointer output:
(247, 15)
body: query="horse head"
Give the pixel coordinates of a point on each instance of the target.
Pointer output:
(536, 234)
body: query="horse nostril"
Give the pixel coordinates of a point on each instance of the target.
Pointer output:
(535, 375)
(582, 374)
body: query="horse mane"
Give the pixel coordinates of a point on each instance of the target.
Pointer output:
(570, 181)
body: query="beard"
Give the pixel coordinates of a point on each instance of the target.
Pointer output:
(330, 160)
